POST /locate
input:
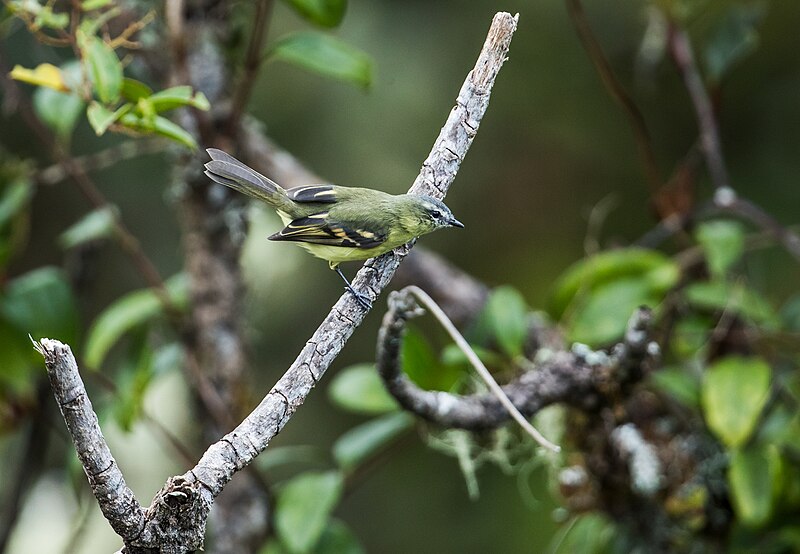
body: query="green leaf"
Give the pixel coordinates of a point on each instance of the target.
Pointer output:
(691, 335)
(604, 313)
(132, 90)
(653, 269)
(16, 376)
(89, 5)
(590, 533)
(732, 297)
(756, 479)
(507, 317)
(132, 382)
(159, 125)
(326, 13)
(421, 364)
(303, 507)
(16, 196)
(177, 97)
(790, 311)
(103, 67)
(338, 539)
(128, 312)
(734, 38)
(453, 356)
(679, 384)
(276, 456)
(359, 389)
(43, 15)
(60, 110)
(723, 244)
(141, 367)
(361, 442)
(735, 390)
(324, 55)
(40, 303)
(101, 118)
(97, 224)
(781, 427)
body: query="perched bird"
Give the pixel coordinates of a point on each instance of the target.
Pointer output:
(337, 224)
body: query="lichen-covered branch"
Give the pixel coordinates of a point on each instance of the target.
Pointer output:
(573, 377)
(239, 447)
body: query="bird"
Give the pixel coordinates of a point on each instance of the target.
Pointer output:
(336, 223)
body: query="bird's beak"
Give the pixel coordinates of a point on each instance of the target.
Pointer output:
(456, 223)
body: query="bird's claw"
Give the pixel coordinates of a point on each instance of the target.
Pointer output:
(363, 300)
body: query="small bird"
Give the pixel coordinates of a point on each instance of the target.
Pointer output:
(335, 223)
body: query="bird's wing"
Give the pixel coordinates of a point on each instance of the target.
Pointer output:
(319, 229)
(313, 193)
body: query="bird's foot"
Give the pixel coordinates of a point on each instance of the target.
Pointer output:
(363, 300)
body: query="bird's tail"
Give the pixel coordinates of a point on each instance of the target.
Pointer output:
(227, 170)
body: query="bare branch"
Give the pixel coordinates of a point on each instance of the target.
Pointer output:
(252, 62)
(102, 159)
(710, 143)
(116, 500)
(239, 447)
(617, 92)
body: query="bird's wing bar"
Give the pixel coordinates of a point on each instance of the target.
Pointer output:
(313, 193)
(318, 229)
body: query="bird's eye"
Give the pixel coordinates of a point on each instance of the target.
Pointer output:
(436, 214)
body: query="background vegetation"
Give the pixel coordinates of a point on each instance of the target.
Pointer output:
(554, 177)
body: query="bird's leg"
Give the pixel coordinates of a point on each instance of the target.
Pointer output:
(362, 299)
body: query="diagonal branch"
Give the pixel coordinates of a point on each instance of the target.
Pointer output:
(239, 447)
(616, 91)
(252, 62)
(175, 522)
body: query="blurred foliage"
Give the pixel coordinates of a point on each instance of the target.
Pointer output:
(728, 313)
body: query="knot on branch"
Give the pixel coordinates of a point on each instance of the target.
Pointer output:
(177, 517)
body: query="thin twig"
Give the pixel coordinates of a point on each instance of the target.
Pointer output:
(476, 362)
(747, 209)
(681, 49)
(252, 62)
(617, 92)
(100, 160)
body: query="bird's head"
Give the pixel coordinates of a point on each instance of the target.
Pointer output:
(434, 214)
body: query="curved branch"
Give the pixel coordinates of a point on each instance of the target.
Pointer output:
(576, 377)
